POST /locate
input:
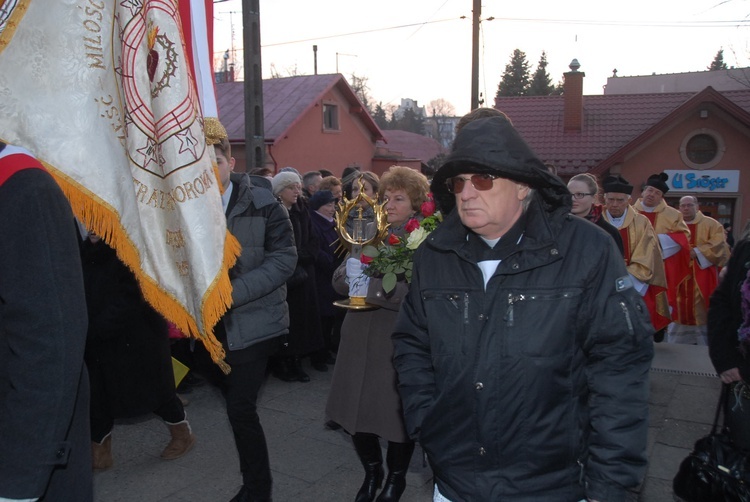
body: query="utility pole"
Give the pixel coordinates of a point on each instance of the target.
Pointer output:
(476, 13)
(255, 148)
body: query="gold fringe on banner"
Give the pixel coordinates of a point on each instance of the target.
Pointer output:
(100, 217)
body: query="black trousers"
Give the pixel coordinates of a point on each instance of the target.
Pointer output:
(240, 389)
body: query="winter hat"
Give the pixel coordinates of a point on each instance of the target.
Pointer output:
(321, 198)
(658, 181)
(283, 180)
(493, 146)
(290, 169)
(616, 184)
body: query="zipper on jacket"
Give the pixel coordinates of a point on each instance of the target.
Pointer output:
(627, 318)
(452, 299)
(511, 300)
(466, 308)
(519, 298)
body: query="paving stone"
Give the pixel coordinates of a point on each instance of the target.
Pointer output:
(310, 462)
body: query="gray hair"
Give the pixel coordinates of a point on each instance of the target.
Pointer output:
(309, 178)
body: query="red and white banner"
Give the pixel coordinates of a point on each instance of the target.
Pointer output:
(103, 93)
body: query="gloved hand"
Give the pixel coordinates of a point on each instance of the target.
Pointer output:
(356, 277)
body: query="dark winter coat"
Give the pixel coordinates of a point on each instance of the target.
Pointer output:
(127, 348)
(259, 311)
(305, 334)
(326, 263)
(725, 314)
(45, 445)
(535, 388)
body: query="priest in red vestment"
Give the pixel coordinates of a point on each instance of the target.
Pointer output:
(643, 258)
(673, 234)
(709, 252)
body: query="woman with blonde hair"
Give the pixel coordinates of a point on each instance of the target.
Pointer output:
(363, 398)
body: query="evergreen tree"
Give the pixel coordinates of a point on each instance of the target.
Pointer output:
(409, 121)
(541, 83)
(379, 116)
(516, 78)
(718, 62)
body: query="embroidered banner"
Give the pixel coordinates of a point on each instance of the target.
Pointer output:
(102, 92)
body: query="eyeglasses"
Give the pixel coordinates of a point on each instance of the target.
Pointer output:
(580, 195)
(480, 182)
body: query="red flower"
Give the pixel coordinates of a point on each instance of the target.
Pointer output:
(365, 259)
(393, 240)
(428, 208)
(412, 225)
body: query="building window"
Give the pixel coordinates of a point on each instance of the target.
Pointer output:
(330, 117)
(702, 149)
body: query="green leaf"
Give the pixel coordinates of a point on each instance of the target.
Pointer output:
(370, 251)
(389, 282)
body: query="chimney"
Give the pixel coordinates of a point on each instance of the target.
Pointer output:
(573, 98)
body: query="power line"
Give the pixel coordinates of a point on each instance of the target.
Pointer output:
(374, 30)
(584, 22)
(641, 24)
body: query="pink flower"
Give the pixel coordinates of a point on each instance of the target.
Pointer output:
(428, 208)
(393, 240)
(412, 225)
(365, 259)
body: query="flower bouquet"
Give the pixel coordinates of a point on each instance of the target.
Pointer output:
(394, 258)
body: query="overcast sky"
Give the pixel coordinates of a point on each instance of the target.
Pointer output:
(421, 49)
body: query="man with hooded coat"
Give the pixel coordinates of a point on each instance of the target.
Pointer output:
(522, 349)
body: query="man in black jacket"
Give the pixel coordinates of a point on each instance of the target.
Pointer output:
(253, 327)
(522, 348)
(45, 447)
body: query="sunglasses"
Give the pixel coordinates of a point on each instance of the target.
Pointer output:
(480, 182)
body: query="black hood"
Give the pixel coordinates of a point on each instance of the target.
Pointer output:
(493, 146)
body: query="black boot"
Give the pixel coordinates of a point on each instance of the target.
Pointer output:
(368, 450)
(398, 458)
(298, 371)
(282, 368)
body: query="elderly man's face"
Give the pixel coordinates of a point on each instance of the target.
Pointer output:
(688, 208)
(652, 196)
(616, 203)
(491, 213)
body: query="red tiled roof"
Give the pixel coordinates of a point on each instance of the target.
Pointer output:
(285, 100)
(610, 122)
(409, 145)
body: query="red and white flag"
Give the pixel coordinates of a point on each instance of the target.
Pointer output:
(103, 93)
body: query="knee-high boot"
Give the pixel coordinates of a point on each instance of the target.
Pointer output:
(368, 450)
(397, 458)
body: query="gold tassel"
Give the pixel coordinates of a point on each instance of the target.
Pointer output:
(98, 216)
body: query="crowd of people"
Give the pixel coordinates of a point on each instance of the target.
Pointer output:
(516, 353)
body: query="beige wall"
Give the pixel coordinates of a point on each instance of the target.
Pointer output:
(663, 153)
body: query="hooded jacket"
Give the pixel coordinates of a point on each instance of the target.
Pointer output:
(534, 388)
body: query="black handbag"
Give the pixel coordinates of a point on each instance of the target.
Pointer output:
(737, 415)
(716, 470)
